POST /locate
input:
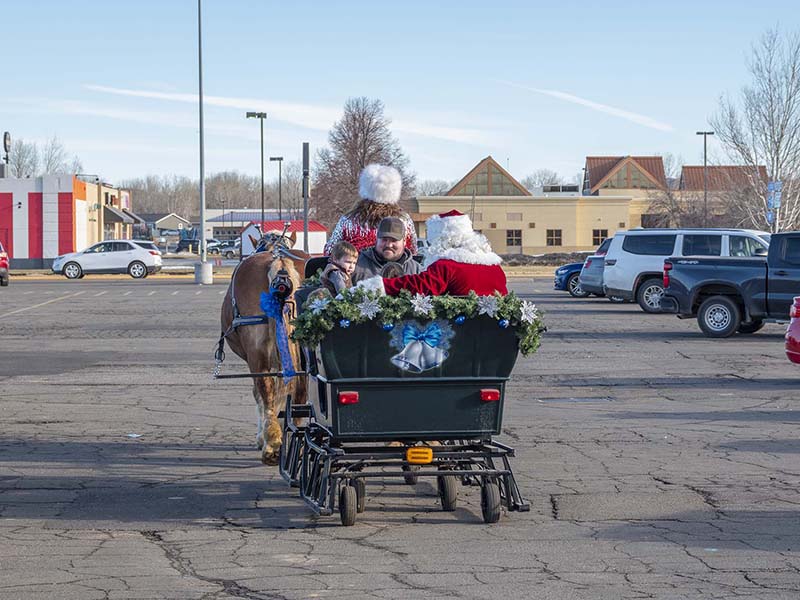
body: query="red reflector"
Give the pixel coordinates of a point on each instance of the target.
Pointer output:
(794, 311)
(489, 395)
(348, 397)
(588, 263)
(154, 252)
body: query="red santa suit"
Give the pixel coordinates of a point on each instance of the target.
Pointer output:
(381, 184)
(457, 261)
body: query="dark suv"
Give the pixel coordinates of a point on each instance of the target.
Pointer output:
(3, 266)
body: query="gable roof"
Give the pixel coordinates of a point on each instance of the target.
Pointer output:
(156, 217)
(487, 164)
(601, 168)
(720, 177)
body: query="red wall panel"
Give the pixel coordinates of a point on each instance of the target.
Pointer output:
(35, 226)
(7, 222)
(66, 223)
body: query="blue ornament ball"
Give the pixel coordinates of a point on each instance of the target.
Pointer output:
(503, 323)
(460, 319)
(344, 323)
(387, 326)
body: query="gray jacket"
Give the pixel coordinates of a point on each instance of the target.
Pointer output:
(370, 264)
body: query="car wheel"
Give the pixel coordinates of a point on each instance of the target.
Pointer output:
(574, 287)
(72, 270)
(751, 327)
(230, 254)
(137, 270)
(649, 295)
(719, 317)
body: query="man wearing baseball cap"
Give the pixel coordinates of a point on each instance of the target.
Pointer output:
(389, 256)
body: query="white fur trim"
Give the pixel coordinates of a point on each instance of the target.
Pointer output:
(372, 284)
(380, 183)
(453, 238)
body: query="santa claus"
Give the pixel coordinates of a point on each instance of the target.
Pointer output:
(379, 187)
(458, 261)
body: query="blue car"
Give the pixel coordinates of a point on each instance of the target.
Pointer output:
(566, 279)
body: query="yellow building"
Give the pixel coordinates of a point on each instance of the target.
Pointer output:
(557, 219)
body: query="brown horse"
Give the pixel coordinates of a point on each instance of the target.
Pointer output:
(257, 345)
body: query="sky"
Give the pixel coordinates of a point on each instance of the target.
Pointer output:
(533, 84)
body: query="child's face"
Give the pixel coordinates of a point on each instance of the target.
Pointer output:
(347, 264)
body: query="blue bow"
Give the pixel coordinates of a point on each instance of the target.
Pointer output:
(272, 308)
(431, 335)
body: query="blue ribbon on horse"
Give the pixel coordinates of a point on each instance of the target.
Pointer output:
(272, 308)
(431, 335)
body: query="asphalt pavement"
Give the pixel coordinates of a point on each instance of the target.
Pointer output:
(658, 464)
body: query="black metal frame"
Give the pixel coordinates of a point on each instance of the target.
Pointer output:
(315, 462)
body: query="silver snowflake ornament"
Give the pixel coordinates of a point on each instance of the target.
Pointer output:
(422, 305)
(528, 312)
(368, 307)
(318, 305)
(487, 305)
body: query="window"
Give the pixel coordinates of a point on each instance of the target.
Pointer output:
(492, 225)
(553, 237)
(791, 251)
(147, 245)
(741, 245)
(514, 216)
(104, 247)
(513, 237)
(653, 245)
(598, 236)
(603, 248)
(702, 245)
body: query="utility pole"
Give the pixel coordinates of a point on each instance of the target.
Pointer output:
(260, 116)
(705, 135)
(305, 196)
(203, 273)
(279, 160)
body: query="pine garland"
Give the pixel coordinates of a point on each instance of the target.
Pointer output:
(311, 326)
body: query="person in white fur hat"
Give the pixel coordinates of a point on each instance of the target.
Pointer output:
(458, 261)
(379, 187)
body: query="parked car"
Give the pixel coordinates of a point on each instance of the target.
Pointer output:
(4, 277)
(232, 248)
(635, 260)
(793, 332)
(729, 294)
(134, 257)
(591, 275)
(566, 279)
(214, 246)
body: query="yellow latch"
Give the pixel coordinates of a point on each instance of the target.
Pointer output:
(419, 455)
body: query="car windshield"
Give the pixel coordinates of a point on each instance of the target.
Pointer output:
(766, 237)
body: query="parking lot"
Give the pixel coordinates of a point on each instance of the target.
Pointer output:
(658, 464)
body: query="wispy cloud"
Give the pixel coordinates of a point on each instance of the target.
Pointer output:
(304, 115)
(604, 108)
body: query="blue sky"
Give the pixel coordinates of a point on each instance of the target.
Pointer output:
(534, 84)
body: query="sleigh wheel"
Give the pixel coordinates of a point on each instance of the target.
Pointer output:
(447, 486)
(361, 494)
(348, 505)
(490, 502)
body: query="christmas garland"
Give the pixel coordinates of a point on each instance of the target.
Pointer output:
(322, 313)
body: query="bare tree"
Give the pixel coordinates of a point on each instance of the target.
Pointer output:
(54, 156)
(292, 190)
(762, 127)
(541, 177)
(230, 189)
(23, 160)
(360, 138)
(433, 187)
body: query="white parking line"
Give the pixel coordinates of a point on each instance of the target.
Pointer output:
(175, 293)
(126, 294)
(26, 293)
(101, 293)
(222, 292)
(198, 293)
(151, 293)
(49, 293)
(19, 310)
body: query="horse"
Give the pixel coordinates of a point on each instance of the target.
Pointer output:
(276, 266)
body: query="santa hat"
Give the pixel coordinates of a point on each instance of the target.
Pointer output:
(380, 183)
(451, 236)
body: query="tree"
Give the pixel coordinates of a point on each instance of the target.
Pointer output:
(360, 138)
(672, 207)
(762, 127)
(541, 177)
(433, 187)
(23, 159)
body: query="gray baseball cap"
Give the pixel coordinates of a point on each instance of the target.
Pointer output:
(392, 227)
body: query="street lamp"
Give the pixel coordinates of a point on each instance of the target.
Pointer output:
(705, 135)
(260, 116)
(280, 182)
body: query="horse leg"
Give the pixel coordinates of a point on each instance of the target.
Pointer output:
(272, 430)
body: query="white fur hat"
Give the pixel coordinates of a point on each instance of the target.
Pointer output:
(450, 235)
(380, 183)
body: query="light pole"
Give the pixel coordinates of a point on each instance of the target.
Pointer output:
(705, 135)
(260, 116)
(280, 184)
